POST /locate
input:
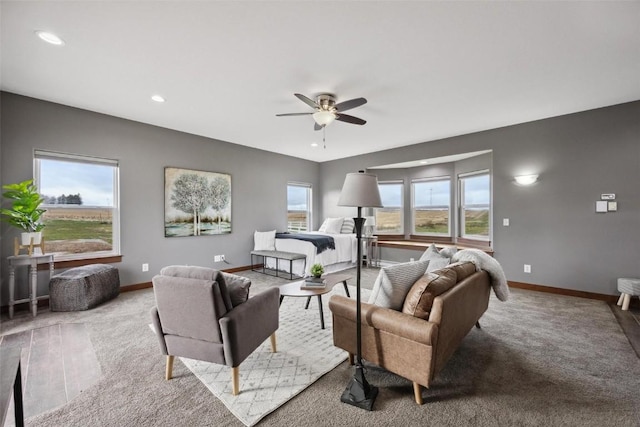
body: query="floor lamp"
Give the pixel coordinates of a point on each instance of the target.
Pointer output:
(359, 190)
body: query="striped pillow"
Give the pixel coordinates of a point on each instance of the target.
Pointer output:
(348, 225)
(394, 282)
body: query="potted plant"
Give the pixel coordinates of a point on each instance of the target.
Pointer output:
(317, 270)
(25, 210)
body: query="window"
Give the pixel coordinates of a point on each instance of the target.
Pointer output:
(298, 207)
(389, 218)
(475, 205)
(81, 198)
(431, 200)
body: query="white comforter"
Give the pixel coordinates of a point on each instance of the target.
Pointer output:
(342, 257)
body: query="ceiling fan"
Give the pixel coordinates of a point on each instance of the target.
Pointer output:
(327, 110)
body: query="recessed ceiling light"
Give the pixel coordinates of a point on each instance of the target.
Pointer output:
(158, 98)
(423, 162)
(314, 144)
(50, 38)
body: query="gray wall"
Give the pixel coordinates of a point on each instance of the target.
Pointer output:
(258, 179)
(554, 226)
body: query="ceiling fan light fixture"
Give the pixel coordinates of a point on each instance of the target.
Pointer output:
(324, 118)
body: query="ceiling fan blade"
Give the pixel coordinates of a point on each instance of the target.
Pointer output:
(311, 103)
(293, 114)
(352, 103)
(350, 119)
(317, 126)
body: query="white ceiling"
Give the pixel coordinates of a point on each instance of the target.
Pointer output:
(428, 69)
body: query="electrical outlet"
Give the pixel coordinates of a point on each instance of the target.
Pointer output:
(505, 222)
(527, 268)
(216, 258)
(145, 267)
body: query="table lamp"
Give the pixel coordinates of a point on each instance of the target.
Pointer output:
(359, 190)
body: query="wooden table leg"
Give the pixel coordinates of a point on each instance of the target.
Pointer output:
(346, 289)
(34, 288)
(12, 287)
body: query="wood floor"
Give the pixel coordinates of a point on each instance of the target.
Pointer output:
(58, 363)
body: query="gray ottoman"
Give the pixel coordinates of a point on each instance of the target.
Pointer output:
(82, 288)
(628, 288)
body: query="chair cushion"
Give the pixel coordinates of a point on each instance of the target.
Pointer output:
(393, 283)
(420, 298)
(264, 240)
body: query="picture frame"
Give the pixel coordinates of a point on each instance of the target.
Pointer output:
(196, 203)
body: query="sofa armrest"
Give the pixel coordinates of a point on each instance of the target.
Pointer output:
(386, 319)
(246, 326)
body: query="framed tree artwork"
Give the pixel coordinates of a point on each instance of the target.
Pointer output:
(196, 203)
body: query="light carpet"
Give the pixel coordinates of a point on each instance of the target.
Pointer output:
(305, 352)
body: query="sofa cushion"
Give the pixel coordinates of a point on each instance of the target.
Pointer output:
(264, 240)
(393, 283)
(463, 269)
(420, 298)
(439, 259)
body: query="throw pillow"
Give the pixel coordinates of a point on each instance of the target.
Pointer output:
(348, 224)
(333, 226)
(419, 300)
(237, 287)
(264, 240)
(464, 269)
(438, 260)
(393, 283)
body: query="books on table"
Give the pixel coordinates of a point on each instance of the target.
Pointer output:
(313, 283)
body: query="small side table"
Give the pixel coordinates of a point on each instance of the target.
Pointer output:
(371, 251)
(32, 261)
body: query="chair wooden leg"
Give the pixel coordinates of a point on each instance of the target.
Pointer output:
(620, 299)
(169, 369)
(417, 392)
(351, 359)
(273, 342)
(235, 380)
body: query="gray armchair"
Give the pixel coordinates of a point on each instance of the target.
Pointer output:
(205, 314)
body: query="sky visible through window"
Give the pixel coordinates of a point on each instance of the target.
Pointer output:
(432, 193)
(391, 195)
(296, 198)
(93, 182)
(476, 190)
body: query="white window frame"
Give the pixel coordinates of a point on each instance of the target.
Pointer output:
(400, 209)
(115, 214)
(309, 210)
(462, 206)
(448, 208)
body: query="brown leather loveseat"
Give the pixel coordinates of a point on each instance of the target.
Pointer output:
(416, 346)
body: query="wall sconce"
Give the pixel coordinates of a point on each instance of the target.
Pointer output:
(526, 179)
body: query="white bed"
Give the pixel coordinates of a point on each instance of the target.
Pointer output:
(342, 257)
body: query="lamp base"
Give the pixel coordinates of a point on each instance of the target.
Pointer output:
(359, 392)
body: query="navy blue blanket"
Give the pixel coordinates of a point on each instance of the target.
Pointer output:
(322, 243)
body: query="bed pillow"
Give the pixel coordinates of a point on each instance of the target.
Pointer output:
(331, 226)
(264, 240)
(348, 224)
(393, 283)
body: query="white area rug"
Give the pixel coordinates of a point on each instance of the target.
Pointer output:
(268, 380)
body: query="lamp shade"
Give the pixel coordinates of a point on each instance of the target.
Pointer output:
(360, 190)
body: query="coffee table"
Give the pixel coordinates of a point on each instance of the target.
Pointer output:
(293, 290)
